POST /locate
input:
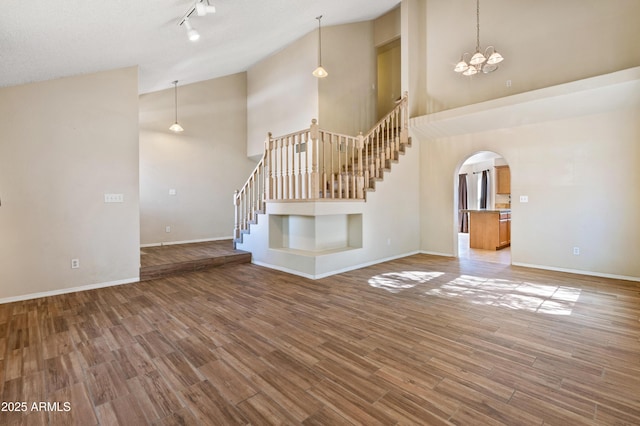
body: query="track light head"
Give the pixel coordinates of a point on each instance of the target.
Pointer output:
(203, 9)
(191, 32)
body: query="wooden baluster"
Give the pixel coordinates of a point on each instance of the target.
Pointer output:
(279, 173)
(305, 175)
(314, 189)
(250, 199)
(302, 155)
(339, 169)
(268, 190)
(360, 183)
(354, 171)
(367, 171)
(285, 168)
(331, 167)
(323, 147)
(261, 182)
(378, 153)
(387, 149)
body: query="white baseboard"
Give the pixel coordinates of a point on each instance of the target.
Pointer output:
(67, 290)
(337, 271)
(435, 253)
(552, 268)
(170, 243)
(578, 271)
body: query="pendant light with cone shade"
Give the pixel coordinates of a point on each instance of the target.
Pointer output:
(320, 72)
(176, 127)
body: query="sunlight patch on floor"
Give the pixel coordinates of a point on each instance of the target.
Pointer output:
(541, 298)
(517, 295)
(395, 282)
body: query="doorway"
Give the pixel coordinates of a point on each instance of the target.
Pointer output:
(388, 77)
(483, 188)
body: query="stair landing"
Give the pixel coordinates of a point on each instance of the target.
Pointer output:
(166, 260)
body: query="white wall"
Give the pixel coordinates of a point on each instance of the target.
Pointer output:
(65, 143)
(204, 164)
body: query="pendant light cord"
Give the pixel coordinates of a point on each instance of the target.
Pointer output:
(319, 41)
(175, 92)
(477, 25)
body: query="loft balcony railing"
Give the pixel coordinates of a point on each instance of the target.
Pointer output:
(314, 164)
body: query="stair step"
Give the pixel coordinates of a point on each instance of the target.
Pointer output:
(183, 258)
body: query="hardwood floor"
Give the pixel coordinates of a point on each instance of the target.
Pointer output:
(163, 261)
(420, 340)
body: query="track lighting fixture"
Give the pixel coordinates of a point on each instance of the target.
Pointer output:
(204, 8)
(191, 32)
(175, 127)
(199, 8)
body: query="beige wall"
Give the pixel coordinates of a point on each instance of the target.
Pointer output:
(387, 27)
(580, 174)
(65, 143)
(544, 43)
(204, 164)
(347, 97)
(282, 95)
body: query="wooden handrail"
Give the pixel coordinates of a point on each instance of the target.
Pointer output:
(315, 164)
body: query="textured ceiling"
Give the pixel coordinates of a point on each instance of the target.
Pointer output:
(42, 40)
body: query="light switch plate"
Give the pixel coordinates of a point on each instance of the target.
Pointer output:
(172, 192)
(524, 198)
(114, 198)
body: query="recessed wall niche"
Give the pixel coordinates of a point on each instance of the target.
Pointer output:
(315, 235)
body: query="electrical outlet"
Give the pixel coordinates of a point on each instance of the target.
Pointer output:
(75, 263)
(576, 251)
(167, 229)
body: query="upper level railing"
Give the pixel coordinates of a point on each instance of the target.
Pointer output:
(315, 164)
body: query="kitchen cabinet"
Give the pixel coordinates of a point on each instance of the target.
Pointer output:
(503, 180)
(489, 229)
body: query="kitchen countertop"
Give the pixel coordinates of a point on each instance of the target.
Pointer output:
(486, 210)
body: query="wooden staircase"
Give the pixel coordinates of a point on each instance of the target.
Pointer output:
(317, 165)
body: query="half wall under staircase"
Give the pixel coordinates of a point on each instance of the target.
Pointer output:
(308, 206)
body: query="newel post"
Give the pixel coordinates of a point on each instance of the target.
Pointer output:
(236, 228)
(313, 152)
(404, 131)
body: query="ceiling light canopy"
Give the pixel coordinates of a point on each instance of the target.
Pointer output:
(176, 127)
(320, 72)
(480, 61)
(199, 8)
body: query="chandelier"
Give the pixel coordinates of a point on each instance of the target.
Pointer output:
(479, 62)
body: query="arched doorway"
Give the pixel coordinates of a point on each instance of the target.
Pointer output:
(483, 224)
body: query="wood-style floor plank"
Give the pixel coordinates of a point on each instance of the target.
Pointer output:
(419, 340)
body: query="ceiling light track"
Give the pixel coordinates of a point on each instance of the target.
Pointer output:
(199, 8)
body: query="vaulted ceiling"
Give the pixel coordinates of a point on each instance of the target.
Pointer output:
(42, 40)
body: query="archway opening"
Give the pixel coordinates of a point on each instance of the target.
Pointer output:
(482, 194)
